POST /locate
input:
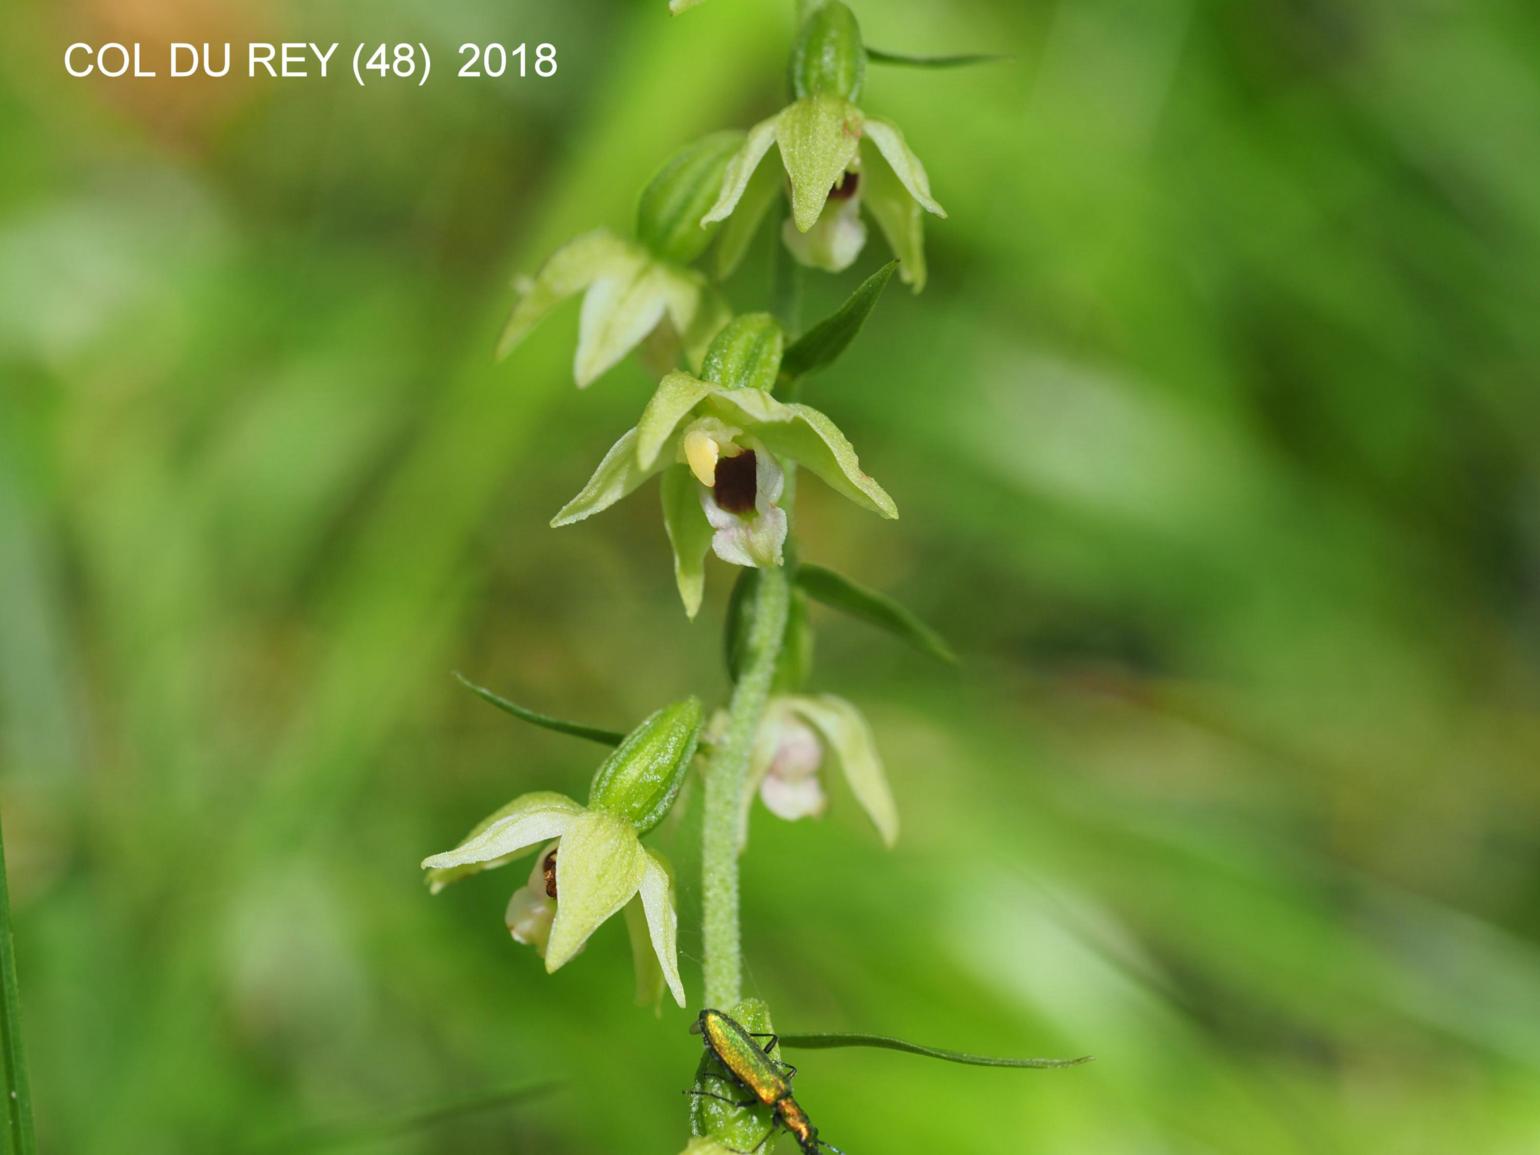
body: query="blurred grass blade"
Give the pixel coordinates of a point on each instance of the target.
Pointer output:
(825, 341)
(328, 1136)
(576, 729)
(18, 1098)
(825, 1042)
(840, 593)
(964, 60)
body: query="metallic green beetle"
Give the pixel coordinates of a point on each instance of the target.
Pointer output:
(768, 1080)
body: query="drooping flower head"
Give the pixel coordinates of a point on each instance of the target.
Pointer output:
(642, 293)
(722, 444)
(836, 158)
(592, 863)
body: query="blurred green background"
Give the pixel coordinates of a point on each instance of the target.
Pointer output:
(1217, 441)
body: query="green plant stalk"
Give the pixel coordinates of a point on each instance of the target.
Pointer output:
(725, 774)
(20, 1139)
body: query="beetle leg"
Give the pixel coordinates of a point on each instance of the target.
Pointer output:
(770, 1046)
(722, 1098)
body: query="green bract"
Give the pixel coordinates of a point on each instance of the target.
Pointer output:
(837, 159)
(641, 778)
(722, 453)
(798, 734)
(595, 867)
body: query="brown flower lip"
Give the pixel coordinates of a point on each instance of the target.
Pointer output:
(736, 483)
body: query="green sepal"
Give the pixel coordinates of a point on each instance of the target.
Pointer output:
(746, 354)
(825, 341)
(795, 663)
(640, 780)
(961, 60)
(828, 1041)
(689, 533)
(819, 137)
(670, 208)
(575, 729)
(877, 609)
(735, 1128)
(828, 56)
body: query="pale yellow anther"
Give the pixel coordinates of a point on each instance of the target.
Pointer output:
(702, 452)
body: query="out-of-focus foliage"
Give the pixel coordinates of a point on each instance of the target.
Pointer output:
(1217, 439)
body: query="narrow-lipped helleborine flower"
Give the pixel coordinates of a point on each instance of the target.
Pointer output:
(643, 293)
(801, 734)
(836, 158)
(722, 445)
(592, 862)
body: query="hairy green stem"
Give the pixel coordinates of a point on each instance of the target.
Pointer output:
(18, 1099)
(725, 776)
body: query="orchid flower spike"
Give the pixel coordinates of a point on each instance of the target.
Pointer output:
(836, 158)
(722, 445)
(592, 863)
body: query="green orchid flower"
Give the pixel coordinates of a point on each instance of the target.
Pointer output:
(642, 294)
(722, 445)
(592, 863)
(799, 735)
(836, 158)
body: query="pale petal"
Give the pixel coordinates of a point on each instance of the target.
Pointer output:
(897, 214)
(834, 243)
(527, 821)
(675, 396)
(740, 170)
(649, 975)
(905, 165)
(571, 269)
(657, 893)
(792, 799)
(618, 474)
(850, 741)
(598, 868)
(689, 533)
(618, 313)
(819, 137)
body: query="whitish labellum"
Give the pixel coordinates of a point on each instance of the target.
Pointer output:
(799, 737)
(592, 864)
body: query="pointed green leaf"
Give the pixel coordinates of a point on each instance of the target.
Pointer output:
(840, 593)
(689, 533)
(819, 137)
(575, 729)
(825, 341)
(962, 60)
(827, 1041)
(618, 474)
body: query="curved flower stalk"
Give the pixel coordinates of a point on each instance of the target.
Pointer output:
(799, 735)
(722, 445)
(593, 863)
(836, 158)
(642, 294)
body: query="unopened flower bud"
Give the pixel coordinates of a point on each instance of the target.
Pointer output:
(639, 781)
(828, 57)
